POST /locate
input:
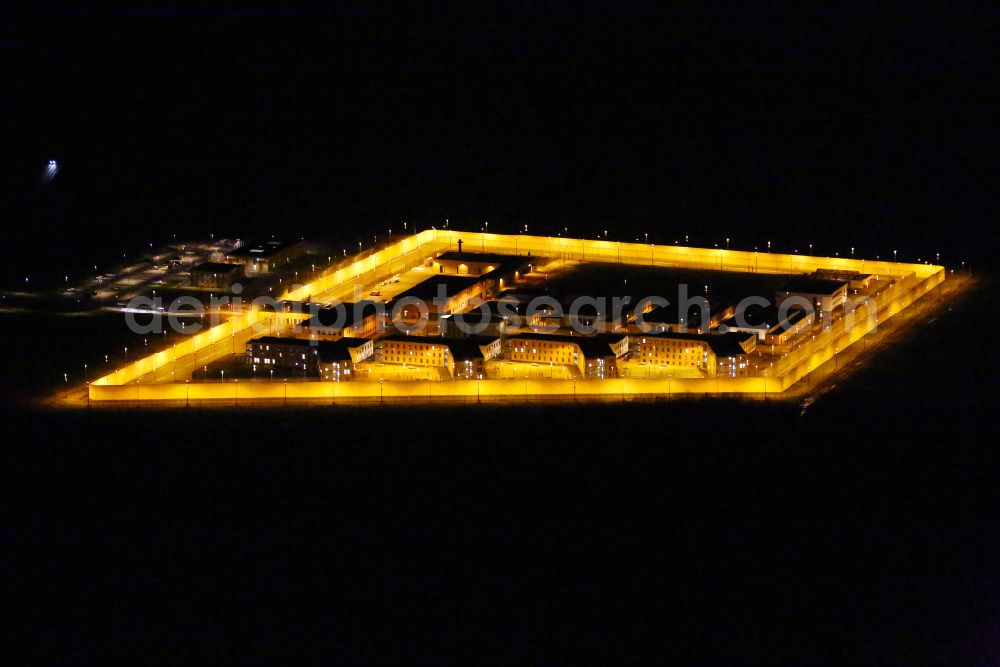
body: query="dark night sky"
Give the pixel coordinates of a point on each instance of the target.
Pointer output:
(837, 126)
(860, 531)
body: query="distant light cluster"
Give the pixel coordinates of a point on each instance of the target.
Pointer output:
(50, 171)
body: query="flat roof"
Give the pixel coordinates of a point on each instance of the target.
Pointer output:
(280, 340)
(671, 314)
(846, 274)
(346, 313)
(469, 348)
(476, 316)
(216, 267)
(791, 320)
(262, 249)
(766, 317)
(482, 257)
(519, 308)
(812, 285)
(339, 350)
(428, 289)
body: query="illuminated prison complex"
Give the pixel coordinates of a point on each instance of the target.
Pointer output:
(452, 273)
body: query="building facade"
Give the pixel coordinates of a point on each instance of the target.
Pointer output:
(855, 280)
(338, 360)
(265, 256)
(709, 354)
(362, 319)
(287, 353)
(591, 356)
(215, 275)
(823, 296)
(461, 358)
(443, 295)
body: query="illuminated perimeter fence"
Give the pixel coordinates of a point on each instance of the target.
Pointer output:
(165, 375)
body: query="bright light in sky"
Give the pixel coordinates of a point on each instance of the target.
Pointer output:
(50, 171)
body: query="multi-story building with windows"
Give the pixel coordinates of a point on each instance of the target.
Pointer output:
(855, 279)
(816, 294)
(673, 318)
(477, 263)
(769, 324)
(330, 360)
(338, 359)
(443, 294)
(215, 275)
(434, 351)
(711, 354)
(363, 319)
(592, 356)
(288, 353)
(471, 354)
(265, 256)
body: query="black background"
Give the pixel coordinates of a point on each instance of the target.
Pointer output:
(699, 532)
(840, 126)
